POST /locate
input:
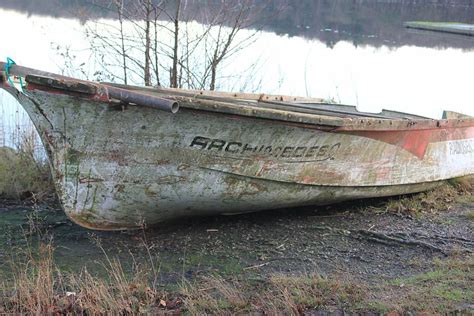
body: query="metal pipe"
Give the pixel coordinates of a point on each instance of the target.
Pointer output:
(120, 94)
(143, 99)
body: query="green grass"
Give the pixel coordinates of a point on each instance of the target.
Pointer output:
(443, 289)
(470, 214)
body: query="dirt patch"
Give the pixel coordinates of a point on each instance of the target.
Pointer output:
(389, 250)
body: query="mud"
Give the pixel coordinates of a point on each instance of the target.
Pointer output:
(360, 241)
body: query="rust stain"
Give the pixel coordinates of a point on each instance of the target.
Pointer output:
(90, 221)
(267, 165)
(237, 189)
(117, 156)
(120, 187)
(90, 180)
(307, 177)
(171, 179)
(162, 162)
(183, 166)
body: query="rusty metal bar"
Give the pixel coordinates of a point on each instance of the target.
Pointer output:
(65, 83)
(143, 99)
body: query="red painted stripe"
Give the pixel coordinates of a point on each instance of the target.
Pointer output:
(417, 141)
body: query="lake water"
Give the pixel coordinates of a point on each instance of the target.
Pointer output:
(375, 75)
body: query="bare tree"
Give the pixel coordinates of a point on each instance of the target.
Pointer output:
(119, 4)
(148, 41)
(241, 17)
(174, 69)
(148, 10)
(156, 67)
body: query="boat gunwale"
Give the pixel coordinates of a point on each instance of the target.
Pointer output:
(218, 102)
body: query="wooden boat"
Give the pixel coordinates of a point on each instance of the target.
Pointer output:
(445, 27)
(122, 157)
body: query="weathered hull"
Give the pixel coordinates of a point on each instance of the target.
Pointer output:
(119, 168)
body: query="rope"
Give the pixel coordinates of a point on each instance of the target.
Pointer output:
(9, 64)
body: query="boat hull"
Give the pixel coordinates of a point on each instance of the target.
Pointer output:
(119, 167)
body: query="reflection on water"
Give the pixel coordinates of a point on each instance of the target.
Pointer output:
(375, 23)
(361, 22)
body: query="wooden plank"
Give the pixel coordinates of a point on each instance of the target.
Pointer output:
(220, 94)
(62, 84)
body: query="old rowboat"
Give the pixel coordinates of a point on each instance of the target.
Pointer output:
(122, 157)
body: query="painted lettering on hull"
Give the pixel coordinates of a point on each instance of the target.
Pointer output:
(294, 153)
(461, 148)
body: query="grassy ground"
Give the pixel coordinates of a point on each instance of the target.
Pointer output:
(408, 254)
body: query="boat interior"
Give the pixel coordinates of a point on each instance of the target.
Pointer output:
(286, 105)
(306, 105)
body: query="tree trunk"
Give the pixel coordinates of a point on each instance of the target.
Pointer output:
(157, 75)
(174, 69)
(119, 4)
(212, 85)
(147, 74)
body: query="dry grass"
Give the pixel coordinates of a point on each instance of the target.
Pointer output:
(296, 294)
(24, 171)
(214, 295)
(39, 287)
(22, 176)
(33, 289)
(437, 200)
(279, 294)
